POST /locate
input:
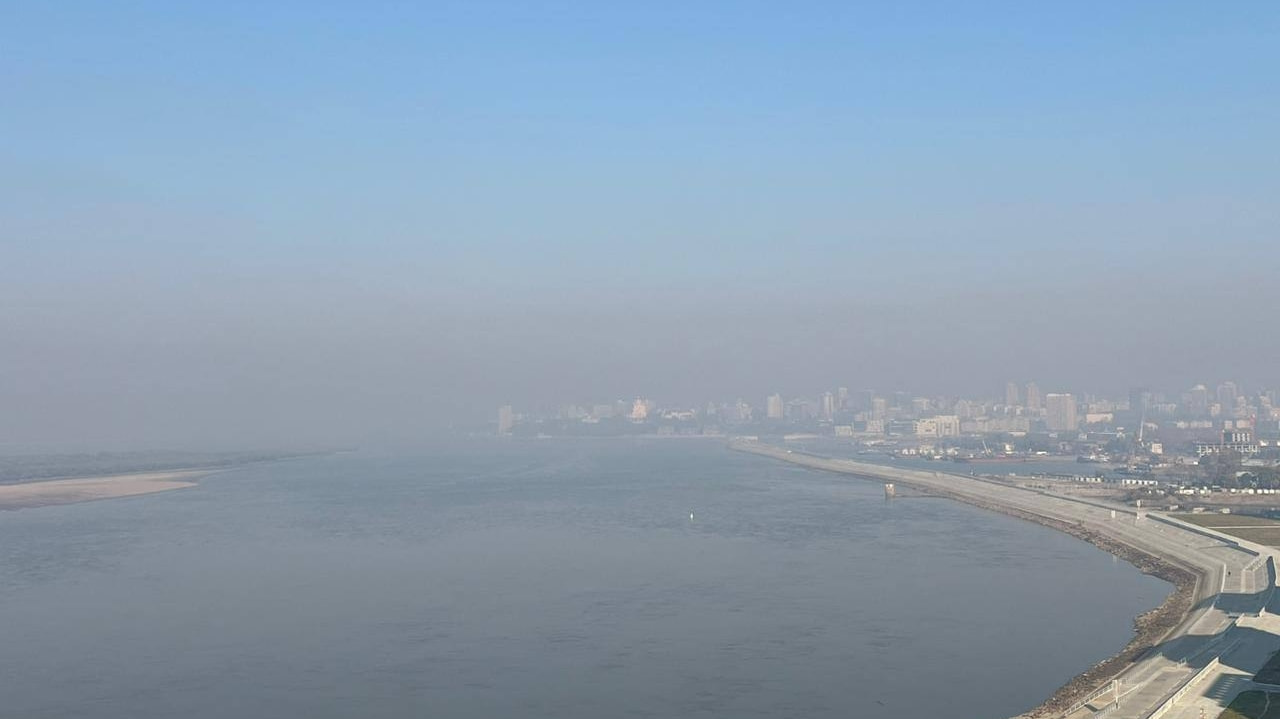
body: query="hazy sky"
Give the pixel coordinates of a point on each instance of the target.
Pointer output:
(253, 223)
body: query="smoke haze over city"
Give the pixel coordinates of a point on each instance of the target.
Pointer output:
(312, 224)
(575, 360)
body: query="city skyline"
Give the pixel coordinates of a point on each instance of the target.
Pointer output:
(1198, 399)
(570, 360)
(364, 226)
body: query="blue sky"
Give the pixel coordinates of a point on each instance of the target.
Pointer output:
(224, 159)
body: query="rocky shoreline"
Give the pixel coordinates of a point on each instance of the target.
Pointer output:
(1150, 628)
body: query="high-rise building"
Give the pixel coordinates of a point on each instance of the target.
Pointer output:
(842, 399)
(506, 419)
(801, 410)
(1033, 397)
(1227, 393)
(1011, 394)
(879, 408)
(1197, 399)
(774, 408)
(1060, 412)
(862, 400)
(1139, 400)
(828, 405)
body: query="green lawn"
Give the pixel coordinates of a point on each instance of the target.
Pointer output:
(1214, 519)
(1254, 705)
(1266, 536)
(1254, 529)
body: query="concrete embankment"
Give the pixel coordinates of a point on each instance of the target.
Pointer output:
(1197, 576)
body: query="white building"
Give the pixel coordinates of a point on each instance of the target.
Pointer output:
(828, 406)
(1060, 412)
(506, 419)
(940, 426)
(774, 408)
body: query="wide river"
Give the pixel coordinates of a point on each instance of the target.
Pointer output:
(558, 579)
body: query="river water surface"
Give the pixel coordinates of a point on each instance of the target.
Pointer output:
(546, 580)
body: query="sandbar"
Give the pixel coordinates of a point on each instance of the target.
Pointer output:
(87, 489)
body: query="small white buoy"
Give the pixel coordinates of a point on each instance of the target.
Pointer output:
(690, 516)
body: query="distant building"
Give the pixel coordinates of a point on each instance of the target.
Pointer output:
(982, 425)
(1227, 394)
(774, 407)
(572, 411)
(1011, 394)
(1139, 399)
(828, 406)
(639, 410)
(940, 426)
(948, 425)
(863, 399)
(1238, 440)
(1033, 397)
(879, 408)
(1238, 435)
(1060, 413)
(1197, 400)
(801, 410)
(506, 419)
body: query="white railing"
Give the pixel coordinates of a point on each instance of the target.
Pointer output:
(1110, 686)
(1187, 686)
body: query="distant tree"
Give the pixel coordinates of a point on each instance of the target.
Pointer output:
(1265, 477)
(1119, 445)
(1222, 468)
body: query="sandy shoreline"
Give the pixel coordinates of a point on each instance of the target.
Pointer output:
(87, 489)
